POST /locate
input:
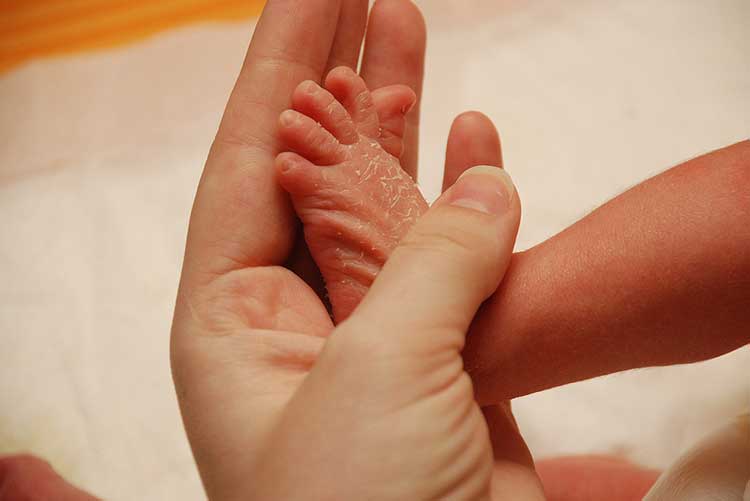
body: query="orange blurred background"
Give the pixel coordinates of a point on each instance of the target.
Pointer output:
(31, 29)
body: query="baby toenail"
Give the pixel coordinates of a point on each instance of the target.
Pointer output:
(309, 86)
(288, 117)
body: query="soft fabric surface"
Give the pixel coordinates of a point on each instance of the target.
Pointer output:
(100, 155)
(30, 30)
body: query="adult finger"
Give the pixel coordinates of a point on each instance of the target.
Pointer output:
(450, 262)
(507, 443)
(513, 469)
(241, 217)
(394, 54)
(349, 33)
(473, 140)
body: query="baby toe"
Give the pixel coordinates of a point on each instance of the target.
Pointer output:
(392, 104)
(317, 103)
(297, 175)
(307, 137)
(351, 91)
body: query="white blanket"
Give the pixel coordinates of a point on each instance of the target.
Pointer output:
(100, 155)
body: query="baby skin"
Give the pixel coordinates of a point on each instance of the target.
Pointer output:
(345, 181)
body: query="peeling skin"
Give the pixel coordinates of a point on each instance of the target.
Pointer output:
(352, 224)
(356, 211)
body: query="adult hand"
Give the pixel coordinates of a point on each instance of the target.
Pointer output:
(246, 329)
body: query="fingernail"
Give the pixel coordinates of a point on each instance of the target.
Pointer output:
(309, 86)
(483, 188)
(288, 117)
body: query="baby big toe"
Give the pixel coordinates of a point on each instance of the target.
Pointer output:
(297, 175)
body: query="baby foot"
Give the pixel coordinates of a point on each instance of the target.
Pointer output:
(345, 180)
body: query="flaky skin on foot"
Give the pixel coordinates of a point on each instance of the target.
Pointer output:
(345, 181)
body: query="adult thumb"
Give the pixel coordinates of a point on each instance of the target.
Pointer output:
(451, 261)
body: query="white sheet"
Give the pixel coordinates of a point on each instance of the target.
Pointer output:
(100, 155)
